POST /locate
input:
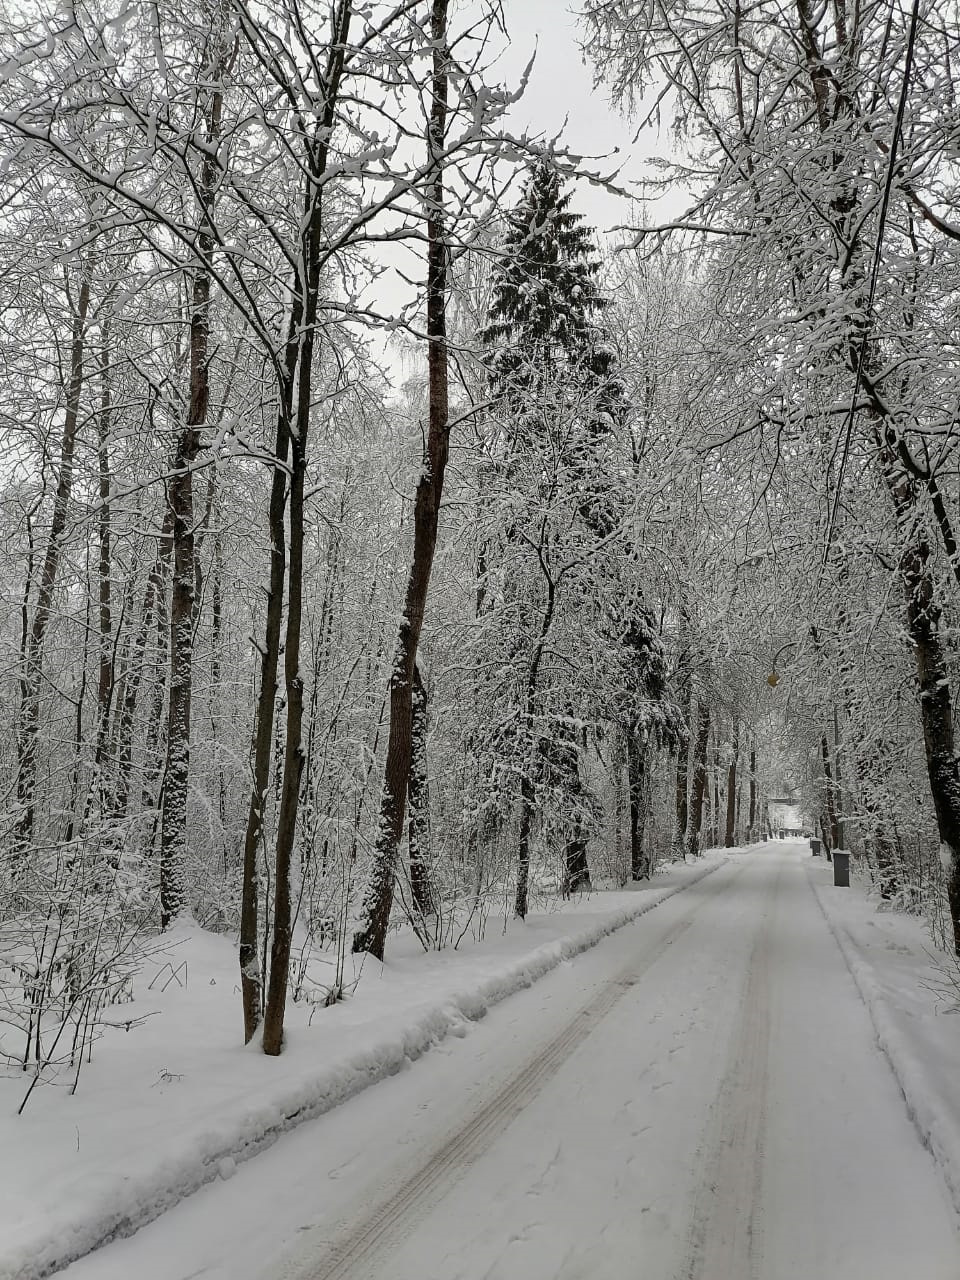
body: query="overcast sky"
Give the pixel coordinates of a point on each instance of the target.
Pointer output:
(561, 87)
(560, 98)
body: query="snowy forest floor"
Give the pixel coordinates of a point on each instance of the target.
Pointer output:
(176, 1101)
(582, 1125)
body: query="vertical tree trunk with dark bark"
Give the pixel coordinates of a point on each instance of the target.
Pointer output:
(527, 796)
(293, 755)
(678, 845)
(173, 817)
(290, 451)
(832, 837)
(576, 869)
(371, 936)
(752, 834)
(730, 835)
(636, 764)
(936, 709)
(275, 1004)
(699, 777)
(418, 823)
(105, 675)
(251, 977)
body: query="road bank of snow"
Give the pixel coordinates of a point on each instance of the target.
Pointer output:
(175, 1103)
(902, 981)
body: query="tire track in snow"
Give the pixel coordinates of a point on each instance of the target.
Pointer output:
(725, 1239)
(354, 1255)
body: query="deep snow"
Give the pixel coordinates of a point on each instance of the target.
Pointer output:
(702, 1096)
(176, 1102)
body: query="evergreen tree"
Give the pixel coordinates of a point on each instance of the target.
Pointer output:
(542, 331)
(558, 404)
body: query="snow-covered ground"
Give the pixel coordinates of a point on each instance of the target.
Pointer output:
(175, 1102)
(913, 995)
(707, 1094)
(700, 1097)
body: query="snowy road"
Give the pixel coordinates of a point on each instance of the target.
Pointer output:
(698, 1098)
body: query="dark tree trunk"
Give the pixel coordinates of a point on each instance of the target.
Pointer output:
(699, 777)
(275, 1004)
(936, 710)
(576, 871)
(105, 676)
(418, 823)
(527, 796)
(251, 977)
(730, 835)
(173, 818)
(753, 794)
(678, 848)
(832, 834)
(378, 900)
(302, 362)
(636, 765)
(830, 797)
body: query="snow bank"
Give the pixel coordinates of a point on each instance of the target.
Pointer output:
(175, 1103)
(891, 960)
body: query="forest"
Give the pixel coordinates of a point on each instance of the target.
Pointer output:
(385, 549)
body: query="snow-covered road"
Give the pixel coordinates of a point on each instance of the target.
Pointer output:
(698, 1098)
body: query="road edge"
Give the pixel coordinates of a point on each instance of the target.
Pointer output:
(45, 1256)
(928, 1122)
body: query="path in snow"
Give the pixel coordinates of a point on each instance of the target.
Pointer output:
(699, 1098)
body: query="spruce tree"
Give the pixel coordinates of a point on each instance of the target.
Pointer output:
(558, 401)
(543, 328)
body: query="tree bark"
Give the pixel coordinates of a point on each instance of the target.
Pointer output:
(830, 800)
(936, 709)
(752, 835)
(699, 778)
(302, 361)
(636, 764)
(378, 900)
(678, 843)
(173, 817)
(418, 824)
(105, 676)
(730, 835)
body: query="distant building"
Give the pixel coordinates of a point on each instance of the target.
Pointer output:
(785, 818)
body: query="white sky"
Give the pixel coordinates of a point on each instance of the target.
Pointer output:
(560, 98)
(561, 87)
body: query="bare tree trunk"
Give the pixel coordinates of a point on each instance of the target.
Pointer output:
(936, 704)
(105, 678)
(699, 777)
(31, 678)
(752, 835)
(527, 797)
(418, 825)
(293, 754)
(371, 936)
(678, 847)
(173, 818)
(729, 839)
(830, 800)
(251, 977)
(527, 788)
(636, 764)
